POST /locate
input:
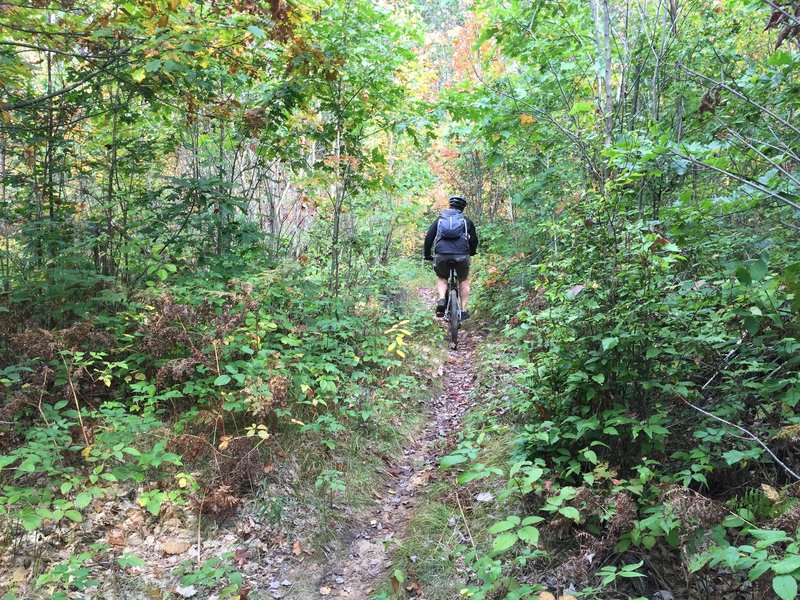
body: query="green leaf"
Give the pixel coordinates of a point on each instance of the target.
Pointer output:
(529, 535)
(752, 324)
(599, 378)
(138, 75)
(83, 499)
(610, 342)
(768, 537)
(758, 269)
(452, 459)
(259, 33)
(743, 275)
(504, 525)
(758, 570)
(503, 542)
(222, 380)
(570, 512)
(779, 59)
(581, 107)
(787, 565)
(73, 515)
(785, 586)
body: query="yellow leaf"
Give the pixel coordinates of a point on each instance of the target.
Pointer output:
(175, 546)
(526, 119)
(770, 492)
(138, 75)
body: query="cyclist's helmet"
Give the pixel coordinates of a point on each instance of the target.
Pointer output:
(457, 202)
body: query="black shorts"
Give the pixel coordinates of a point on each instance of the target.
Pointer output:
(442, 269)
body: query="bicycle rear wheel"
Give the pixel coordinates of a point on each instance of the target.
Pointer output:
(453, 315)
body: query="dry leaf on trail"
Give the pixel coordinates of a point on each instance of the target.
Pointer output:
(298, 549)
(568, 597)
(770, 492)
(186, 592)
(175, 546)
(240, 556)
(546, 596)
(415, 588)
(116, 537)
(324, 591)
(19, 575)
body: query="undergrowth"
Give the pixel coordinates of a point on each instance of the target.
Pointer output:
(188, 399)
(615, 384)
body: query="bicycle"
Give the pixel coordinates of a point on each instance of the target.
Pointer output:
(452, 311)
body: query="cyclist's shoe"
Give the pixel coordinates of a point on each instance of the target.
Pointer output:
(464, 315)
(440, 306)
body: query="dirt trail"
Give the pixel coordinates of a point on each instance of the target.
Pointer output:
(365, 562)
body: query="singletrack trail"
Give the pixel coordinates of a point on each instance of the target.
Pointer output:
(369, 544)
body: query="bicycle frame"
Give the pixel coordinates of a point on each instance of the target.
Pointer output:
(452, 311)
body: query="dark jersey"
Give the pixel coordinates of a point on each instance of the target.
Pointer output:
(430, 239)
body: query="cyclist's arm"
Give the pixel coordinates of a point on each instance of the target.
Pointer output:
(429, 238)
(473, 238)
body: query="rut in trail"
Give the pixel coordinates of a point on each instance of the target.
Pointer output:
(365, 563)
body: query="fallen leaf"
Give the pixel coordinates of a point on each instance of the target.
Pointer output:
(546, 596)
(415, 587)
(240, 556)
(567, 597)
(19, 575)
(116, 537)
(484, 497)
(297, 549)
(175, 546)
(324, 591)
(186, 592)
(770, 492)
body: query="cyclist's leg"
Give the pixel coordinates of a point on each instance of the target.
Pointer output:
(463, 292)
(462, 269)
(442, 272)
(441, 288)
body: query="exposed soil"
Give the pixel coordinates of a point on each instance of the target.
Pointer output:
(365, 562)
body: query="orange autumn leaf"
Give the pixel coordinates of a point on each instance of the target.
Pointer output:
(526, 119)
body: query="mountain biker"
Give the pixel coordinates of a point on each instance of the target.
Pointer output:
(451, 236)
